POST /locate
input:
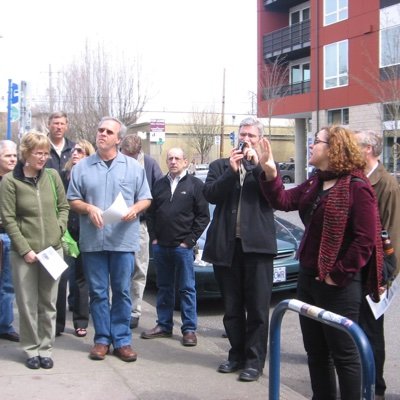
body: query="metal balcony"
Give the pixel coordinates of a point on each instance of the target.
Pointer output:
(292, 42)
(281, 5)
(287, 90)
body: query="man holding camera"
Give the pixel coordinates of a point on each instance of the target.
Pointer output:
(241, 245)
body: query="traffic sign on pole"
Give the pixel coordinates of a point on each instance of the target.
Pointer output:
(14, 93)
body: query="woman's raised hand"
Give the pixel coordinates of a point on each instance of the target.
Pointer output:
(267, 159)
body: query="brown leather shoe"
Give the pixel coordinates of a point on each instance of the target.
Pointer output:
(125, 353)
(189, 339)
(99, 351)
(156, 332)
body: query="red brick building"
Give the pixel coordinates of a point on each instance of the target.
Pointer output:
(331, 61)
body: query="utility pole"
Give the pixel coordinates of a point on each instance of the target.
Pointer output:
(51, 100)
(221, 148)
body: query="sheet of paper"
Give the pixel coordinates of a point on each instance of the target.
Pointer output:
(386, 299)
(116, 211)
(52, 261)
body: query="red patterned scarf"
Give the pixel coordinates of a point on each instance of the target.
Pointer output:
(334, 225)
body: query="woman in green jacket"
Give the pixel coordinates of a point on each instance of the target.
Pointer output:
(30, 218)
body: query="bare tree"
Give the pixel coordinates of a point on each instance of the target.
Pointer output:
(202, 129)
(274, 84)
(384, 84)
(98, 84)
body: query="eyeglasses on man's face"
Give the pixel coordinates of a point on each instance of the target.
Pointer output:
(108, 131)
(249, 135)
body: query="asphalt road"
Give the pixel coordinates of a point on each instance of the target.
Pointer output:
(294, 371)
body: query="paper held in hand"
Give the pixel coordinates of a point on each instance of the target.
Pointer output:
(386, 299)
(52, 261)
(116, 211)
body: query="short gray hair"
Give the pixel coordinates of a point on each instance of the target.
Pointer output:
(122, 127)
(371, 138)
(251, 121)
(5, 144)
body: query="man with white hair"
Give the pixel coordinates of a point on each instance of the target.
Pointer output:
(8, 160)
(387, 192)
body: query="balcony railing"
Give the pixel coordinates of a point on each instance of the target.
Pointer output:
(286, 90)
(287, 40)
(281, 4)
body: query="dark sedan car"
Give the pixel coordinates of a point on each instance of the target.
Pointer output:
(286, 266)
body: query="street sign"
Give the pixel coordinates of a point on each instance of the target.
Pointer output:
(14, 93)
(15, 114)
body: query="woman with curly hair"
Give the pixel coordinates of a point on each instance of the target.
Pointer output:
(340, 251)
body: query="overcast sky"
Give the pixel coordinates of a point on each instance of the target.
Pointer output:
(182, 46)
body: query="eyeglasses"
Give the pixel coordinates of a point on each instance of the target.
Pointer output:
(249, 135)
(102, 130)
(316, 141)
(41, 154)
(78, 150)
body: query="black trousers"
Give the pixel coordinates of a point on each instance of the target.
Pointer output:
(374, 329)
(246, 287)
(329, 348)
(80, 314)
(61, 304)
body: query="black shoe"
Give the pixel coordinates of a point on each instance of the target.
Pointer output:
(33, 362)
(46, 362)
(249, 375)
(134, 322)
(11, 336)
(230, 366)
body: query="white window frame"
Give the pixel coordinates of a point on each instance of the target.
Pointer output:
(339, 14)
(389, 29)
(300, 63)
(338, 77)
(300, 8)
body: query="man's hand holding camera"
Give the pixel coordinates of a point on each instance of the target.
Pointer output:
(244, 154)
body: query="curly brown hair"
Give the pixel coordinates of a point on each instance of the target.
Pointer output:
(344, 154)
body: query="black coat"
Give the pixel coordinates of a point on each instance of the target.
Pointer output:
(178, 218)
(257, 227)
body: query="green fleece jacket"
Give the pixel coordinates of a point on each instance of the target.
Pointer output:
(28, 210)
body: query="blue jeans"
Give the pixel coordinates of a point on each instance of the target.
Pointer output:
(111, 316)
(6, 289)
(171, 262)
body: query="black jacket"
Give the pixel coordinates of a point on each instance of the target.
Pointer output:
(257, 226)
(56, 162)
(180, 218)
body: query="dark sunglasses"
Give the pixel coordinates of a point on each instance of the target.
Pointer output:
(78, 150)
(102, 130)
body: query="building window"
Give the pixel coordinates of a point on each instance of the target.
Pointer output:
(338, 117)
(335, 11)
(336, 65)
(391, 112)
(299, 73)
(299, 14)
(390, 36)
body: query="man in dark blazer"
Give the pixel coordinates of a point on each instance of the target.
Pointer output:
(241, 245)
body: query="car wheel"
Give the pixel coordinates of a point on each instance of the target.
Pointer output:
(286, 179)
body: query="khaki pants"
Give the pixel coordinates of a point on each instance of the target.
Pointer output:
(138, 283)
(36, 296)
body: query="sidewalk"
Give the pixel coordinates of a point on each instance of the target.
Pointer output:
(164, 370)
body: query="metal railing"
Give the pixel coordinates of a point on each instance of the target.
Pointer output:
(328, 318)
(287, 39)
